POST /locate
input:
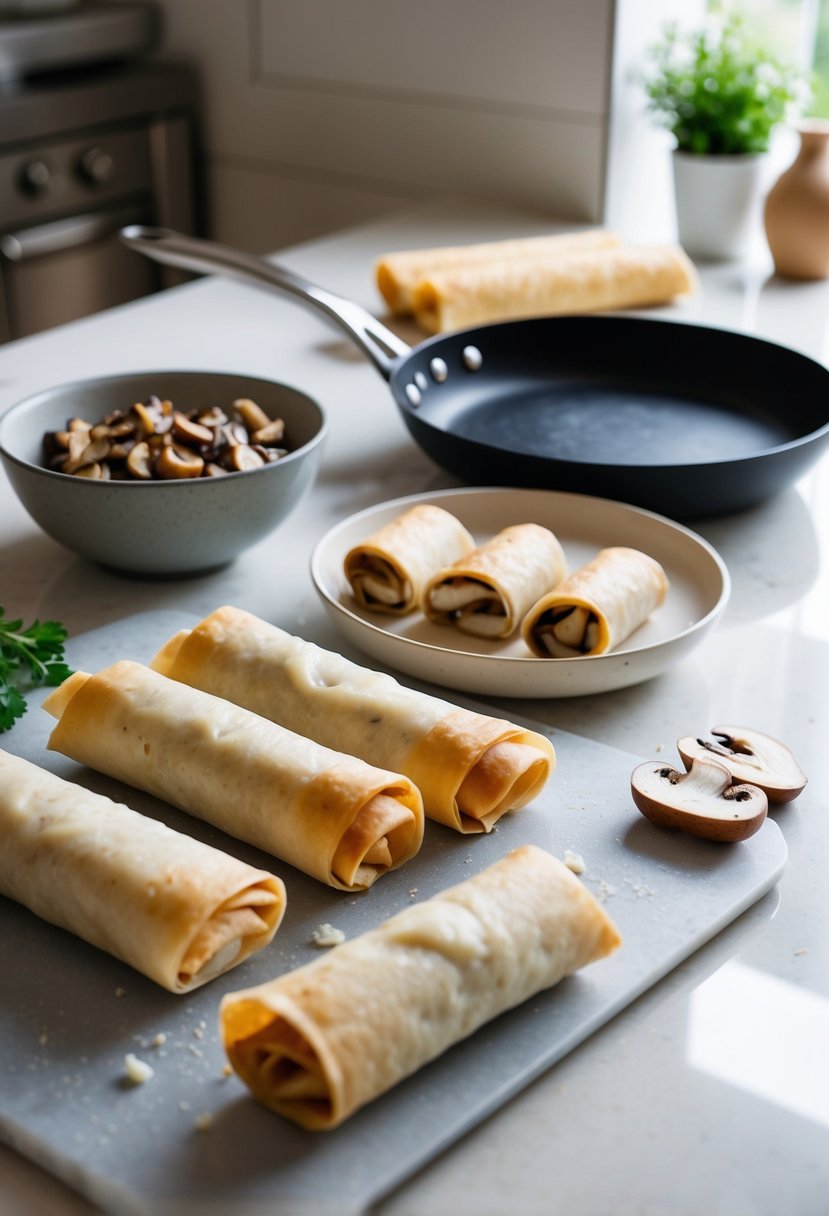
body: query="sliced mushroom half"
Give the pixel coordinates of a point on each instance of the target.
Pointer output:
(702, 801)
(749, 756)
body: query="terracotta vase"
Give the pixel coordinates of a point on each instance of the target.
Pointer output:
(797, 208)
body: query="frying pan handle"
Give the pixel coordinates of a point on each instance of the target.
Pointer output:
(208, 257)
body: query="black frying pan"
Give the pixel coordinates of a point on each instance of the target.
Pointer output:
(683, 419)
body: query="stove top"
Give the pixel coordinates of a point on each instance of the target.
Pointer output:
(38, 40)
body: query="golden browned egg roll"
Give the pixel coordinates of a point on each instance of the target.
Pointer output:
(389, 569)
(398, 274)
(470, 768)
(337, 818)
(179, 911)
(627, 276)
(596, 607)
(317, 1043)
(487, 592)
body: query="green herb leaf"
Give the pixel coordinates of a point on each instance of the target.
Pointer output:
(37, 653)
(718, 91)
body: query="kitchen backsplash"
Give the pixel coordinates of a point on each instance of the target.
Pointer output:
(322, 113)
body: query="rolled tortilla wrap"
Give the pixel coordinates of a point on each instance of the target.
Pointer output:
(177, 910)
(317, 1043)
(398, 274)
(333, 816)
(469, 768)
(596, 607)
(487, 592)
(627, 276)
(389, 569)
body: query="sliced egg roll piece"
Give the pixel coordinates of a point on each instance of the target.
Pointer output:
(399, 274)
(487, 592)
(597, 607)
(389, 569)
(318, 1043)
(179, 911)
(469, 767)
(627, 276)
(324, 812)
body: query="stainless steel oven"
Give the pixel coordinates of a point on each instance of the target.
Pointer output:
(81, 155)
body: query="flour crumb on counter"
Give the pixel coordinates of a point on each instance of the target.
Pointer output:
(137, 1071)
(574, 861)
(800, 950)
(159, 1040)
(604, 890)
(326, 935)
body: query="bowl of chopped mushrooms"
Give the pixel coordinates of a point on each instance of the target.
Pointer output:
(164, 472)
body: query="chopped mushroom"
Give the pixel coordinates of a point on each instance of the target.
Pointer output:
(749, 756)
(135, 443)
(702, 801)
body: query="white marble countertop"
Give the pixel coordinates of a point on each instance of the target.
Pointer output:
(710, 1095)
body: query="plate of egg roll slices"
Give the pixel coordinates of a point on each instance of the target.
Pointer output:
(520, 593)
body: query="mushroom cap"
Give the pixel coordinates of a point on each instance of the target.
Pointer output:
(702, 801)
(749, 756)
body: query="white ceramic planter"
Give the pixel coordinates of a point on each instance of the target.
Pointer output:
(717, 203)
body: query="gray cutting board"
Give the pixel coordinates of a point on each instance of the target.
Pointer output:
(70, 1013)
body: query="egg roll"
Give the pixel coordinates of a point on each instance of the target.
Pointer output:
(319, 1042)
(597, 607)
(627, 276)
(177, 910)
(331, 815)
(469, 768)
(398, 274)
(487, 592)
(389, 569)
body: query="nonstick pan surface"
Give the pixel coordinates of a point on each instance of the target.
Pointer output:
(683, 419)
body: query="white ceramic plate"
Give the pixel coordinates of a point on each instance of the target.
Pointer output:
(699, 590)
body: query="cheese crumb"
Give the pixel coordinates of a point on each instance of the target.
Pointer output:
(203, 1122)
(574, 862)
(327, 935)
(138, 1071)
(120, 991)
(227, 1071)
(159, 1040)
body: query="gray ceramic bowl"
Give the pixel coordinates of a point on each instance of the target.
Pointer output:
(160, 527)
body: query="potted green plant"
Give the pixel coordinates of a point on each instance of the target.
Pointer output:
(721, 95)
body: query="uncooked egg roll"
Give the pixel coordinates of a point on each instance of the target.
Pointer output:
(337, 818)
(597, 607)
(389, 569)
(317, 1043)
(470, 768)
(627, 276)
(179, 911)
(399, 274)
(487, 592)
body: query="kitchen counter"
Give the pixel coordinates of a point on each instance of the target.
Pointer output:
(710, 1095)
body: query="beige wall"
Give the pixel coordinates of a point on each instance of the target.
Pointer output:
(319, 114)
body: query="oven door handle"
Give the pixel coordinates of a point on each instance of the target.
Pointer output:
(60, 235)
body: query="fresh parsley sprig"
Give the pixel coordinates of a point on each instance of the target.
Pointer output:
(33, 655)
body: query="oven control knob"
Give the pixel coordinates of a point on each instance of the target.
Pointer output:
(96, 167)
(35, 177)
